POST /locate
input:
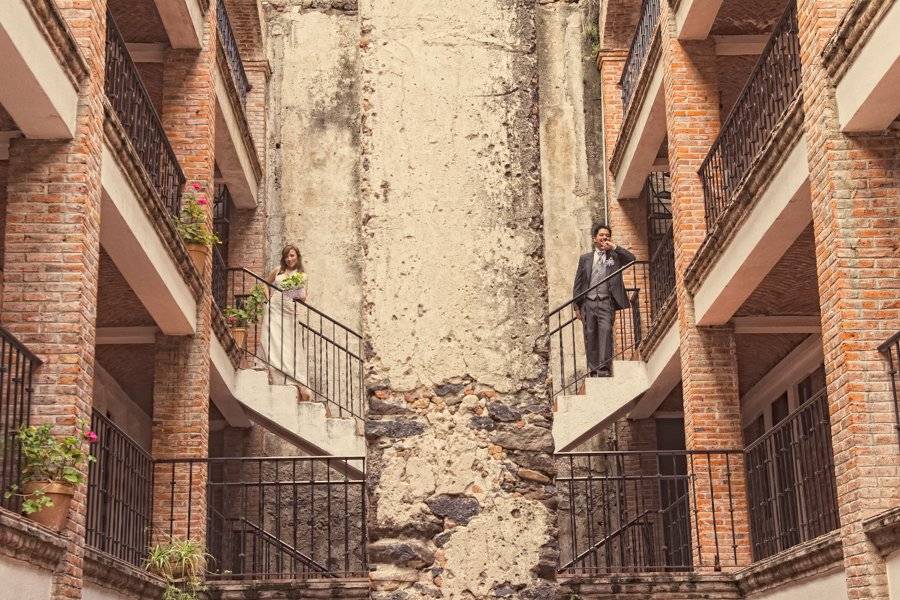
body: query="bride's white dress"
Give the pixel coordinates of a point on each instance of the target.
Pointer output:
(284, 340)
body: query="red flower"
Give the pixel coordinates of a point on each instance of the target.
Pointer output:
(91, 437)
(202, 201)
(197, 187)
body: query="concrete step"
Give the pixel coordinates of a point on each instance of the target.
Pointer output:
(280, 405)
(578, 417)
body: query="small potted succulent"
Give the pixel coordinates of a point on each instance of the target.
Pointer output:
(247, 313)
(294, 286)
(193, 228)
(181, 563)
(52, 467)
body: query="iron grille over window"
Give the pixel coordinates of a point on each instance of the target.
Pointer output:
(658, 198)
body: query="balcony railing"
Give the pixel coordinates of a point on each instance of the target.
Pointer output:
(640, 48)
(303, 345)
(232, 55)
(132, 104)
(658, 198)
(790, 480)
(568, 362)
(765, 99)
(274, 518)
(119, 494)
(639, 512)
(17, 365)
(891, 351)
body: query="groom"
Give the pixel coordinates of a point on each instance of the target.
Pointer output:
(597, 308)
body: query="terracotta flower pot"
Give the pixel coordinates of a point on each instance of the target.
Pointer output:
(198, 254)
(239, 335)
(53, 517)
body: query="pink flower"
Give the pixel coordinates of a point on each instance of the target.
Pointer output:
(91, 437)
(202, 201)
(197, 187)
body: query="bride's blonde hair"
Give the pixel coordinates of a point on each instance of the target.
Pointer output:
(284, 254)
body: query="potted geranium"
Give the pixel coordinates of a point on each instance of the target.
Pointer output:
(181, 562)
(52, 466)
(193, 228)
(293, 286)
(247, 313)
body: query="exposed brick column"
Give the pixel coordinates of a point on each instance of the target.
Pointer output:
(712, 412)
(51, 263)
(854, 186)
(181, 386)
(628, 218)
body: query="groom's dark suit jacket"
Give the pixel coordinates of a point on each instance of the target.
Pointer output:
(620, 257)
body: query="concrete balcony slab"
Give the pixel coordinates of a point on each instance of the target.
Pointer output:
(868, 91)
(131, 239)
(780, 214)
(183, 21)
(235, 154)
(35, 87)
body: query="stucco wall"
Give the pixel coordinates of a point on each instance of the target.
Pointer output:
(831, 586)
(892, 562)
(31, 583)
(313, 145)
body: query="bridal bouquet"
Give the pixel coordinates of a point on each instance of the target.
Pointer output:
(293, 286)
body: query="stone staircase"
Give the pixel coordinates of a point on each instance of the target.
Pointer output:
(578, 417)
(308, 423)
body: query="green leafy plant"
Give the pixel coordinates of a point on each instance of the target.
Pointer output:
(592, 36)
(293, 281)
(191, 224)
(250, 310)
(181, 563)
(56, 459)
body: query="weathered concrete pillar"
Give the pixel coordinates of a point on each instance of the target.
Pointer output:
(181, 378)
(854, 186)
(570, 194)
(314, 157)
(454, 285)
(712, 412)
(51, 260)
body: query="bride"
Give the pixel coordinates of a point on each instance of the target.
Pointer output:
(284, 339)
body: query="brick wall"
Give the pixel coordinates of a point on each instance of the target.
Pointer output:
(854, 186)
(709, 376)
(181, 386)
(51, 259)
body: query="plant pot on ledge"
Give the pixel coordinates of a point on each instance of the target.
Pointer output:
(52, 517)
(239, 335)
(198, 254)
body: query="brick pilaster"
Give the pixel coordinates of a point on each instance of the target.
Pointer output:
(181, 386)
(51, 263)
(712, 413)
(628, 218)
(854, 186)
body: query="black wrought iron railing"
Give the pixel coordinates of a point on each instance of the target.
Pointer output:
(891, 351)
(219, 278)
(17, 366)
(132, 104)
(272, 517)
(657, 196)
(232, 54)
(568, 360)
(640, 511)
(119, 499)
(765, 99)
(792, 495)
(639, 49)
(303, 345)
